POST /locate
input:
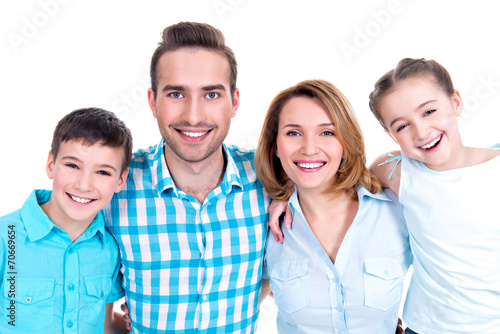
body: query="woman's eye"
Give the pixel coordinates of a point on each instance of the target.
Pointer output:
(327, 133)
(292, 133)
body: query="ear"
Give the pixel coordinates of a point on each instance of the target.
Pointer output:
(122, 181)
(152, 101)
(49, 167)
(236, 102)
(458, 104)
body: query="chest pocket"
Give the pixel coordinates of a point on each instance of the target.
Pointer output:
(95, 291)
(290, 285)
(33, 302)
(383, 282)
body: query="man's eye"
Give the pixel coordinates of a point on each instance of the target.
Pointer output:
(212, 95)
(176, 95)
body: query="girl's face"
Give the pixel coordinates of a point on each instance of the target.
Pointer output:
(422, 119)
(306, 144)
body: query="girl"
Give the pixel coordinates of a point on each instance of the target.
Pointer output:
(450, 201)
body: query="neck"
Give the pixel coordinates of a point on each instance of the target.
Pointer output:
(74, 228)
(199, 178)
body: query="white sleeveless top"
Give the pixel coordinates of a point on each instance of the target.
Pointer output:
(453, 219)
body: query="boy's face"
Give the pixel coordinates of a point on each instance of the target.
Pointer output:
(193, 105)
(84, 181)
(422, 119)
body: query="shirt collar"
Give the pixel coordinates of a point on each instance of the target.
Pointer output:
(163, 179)
(38, 224)
(293, 202)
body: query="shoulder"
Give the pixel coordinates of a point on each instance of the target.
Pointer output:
(240, 155)
(385, 165)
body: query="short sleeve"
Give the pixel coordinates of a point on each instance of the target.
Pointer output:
(117, 291)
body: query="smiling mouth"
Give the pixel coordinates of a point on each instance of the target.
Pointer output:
(80, 199)
(432, 144)
(310, 165)
(194, 134)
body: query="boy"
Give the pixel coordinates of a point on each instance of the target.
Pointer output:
(58, 263)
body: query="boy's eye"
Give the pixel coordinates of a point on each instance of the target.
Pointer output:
(103, 172)
(212, 95)
(176, 95)
(70, 165)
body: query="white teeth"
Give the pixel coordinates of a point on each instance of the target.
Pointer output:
(432, 143)
(80, 200)
(310, 164)
(194, 134)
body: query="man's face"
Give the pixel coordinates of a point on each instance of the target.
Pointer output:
(193, 105)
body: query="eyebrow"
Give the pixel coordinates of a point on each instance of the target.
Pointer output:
(298, 125)
(70, 157)
(416, 109)
(184, 88)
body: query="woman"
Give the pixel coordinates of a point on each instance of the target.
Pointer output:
(341, 266)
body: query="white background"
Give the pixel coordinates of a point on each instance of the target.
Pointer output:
(60, 55)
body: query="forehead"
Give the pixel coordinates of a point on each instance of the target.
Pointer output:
(193, 67)
(91, 152)
(304, 110)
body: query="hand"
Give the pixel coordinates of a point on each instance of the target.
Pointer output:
(126, 316)
(276, 209)
(399, 329)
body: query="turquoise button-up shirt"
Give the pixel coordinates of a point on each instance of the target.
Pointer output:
(50, 284)
(359, 293)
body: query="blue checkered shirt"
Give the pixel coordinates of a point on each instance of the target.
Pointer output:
(191, 267)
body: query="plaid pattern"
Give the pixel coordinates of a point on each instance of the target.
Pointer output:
(191, 267)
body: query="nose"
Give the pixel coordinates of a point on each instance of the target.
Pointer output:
(309, 145)
(193, 113)
(85, 182)
(420, 130)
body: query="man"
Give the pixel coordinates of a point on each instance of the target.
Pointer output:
(191, 220)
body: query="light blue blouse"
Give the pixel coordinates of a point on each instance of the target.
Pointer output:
(361, 292)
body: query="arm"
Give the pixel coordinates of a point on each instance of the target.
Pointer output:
(383, 171)
(114, 321)
(276, 209)
(265, 291)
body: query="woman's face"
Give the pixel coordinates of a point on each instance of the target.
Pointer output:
(307, 146)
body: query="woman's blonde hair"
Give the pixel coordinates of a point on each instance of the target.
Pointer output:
(352, 170)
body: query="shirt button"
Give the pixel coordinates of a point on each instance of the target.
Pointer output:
(386, 272)
(205, 297)
(27, 300)
(69, 324)
(70, 250)
(336, 279)
(338, 308)
(71, 287)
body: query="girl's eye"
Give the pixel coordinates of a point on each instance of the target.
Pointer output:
(212, 95)
(327, 133)
(428, 112)
(292, 133)
(401, 127)
(176, 95)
